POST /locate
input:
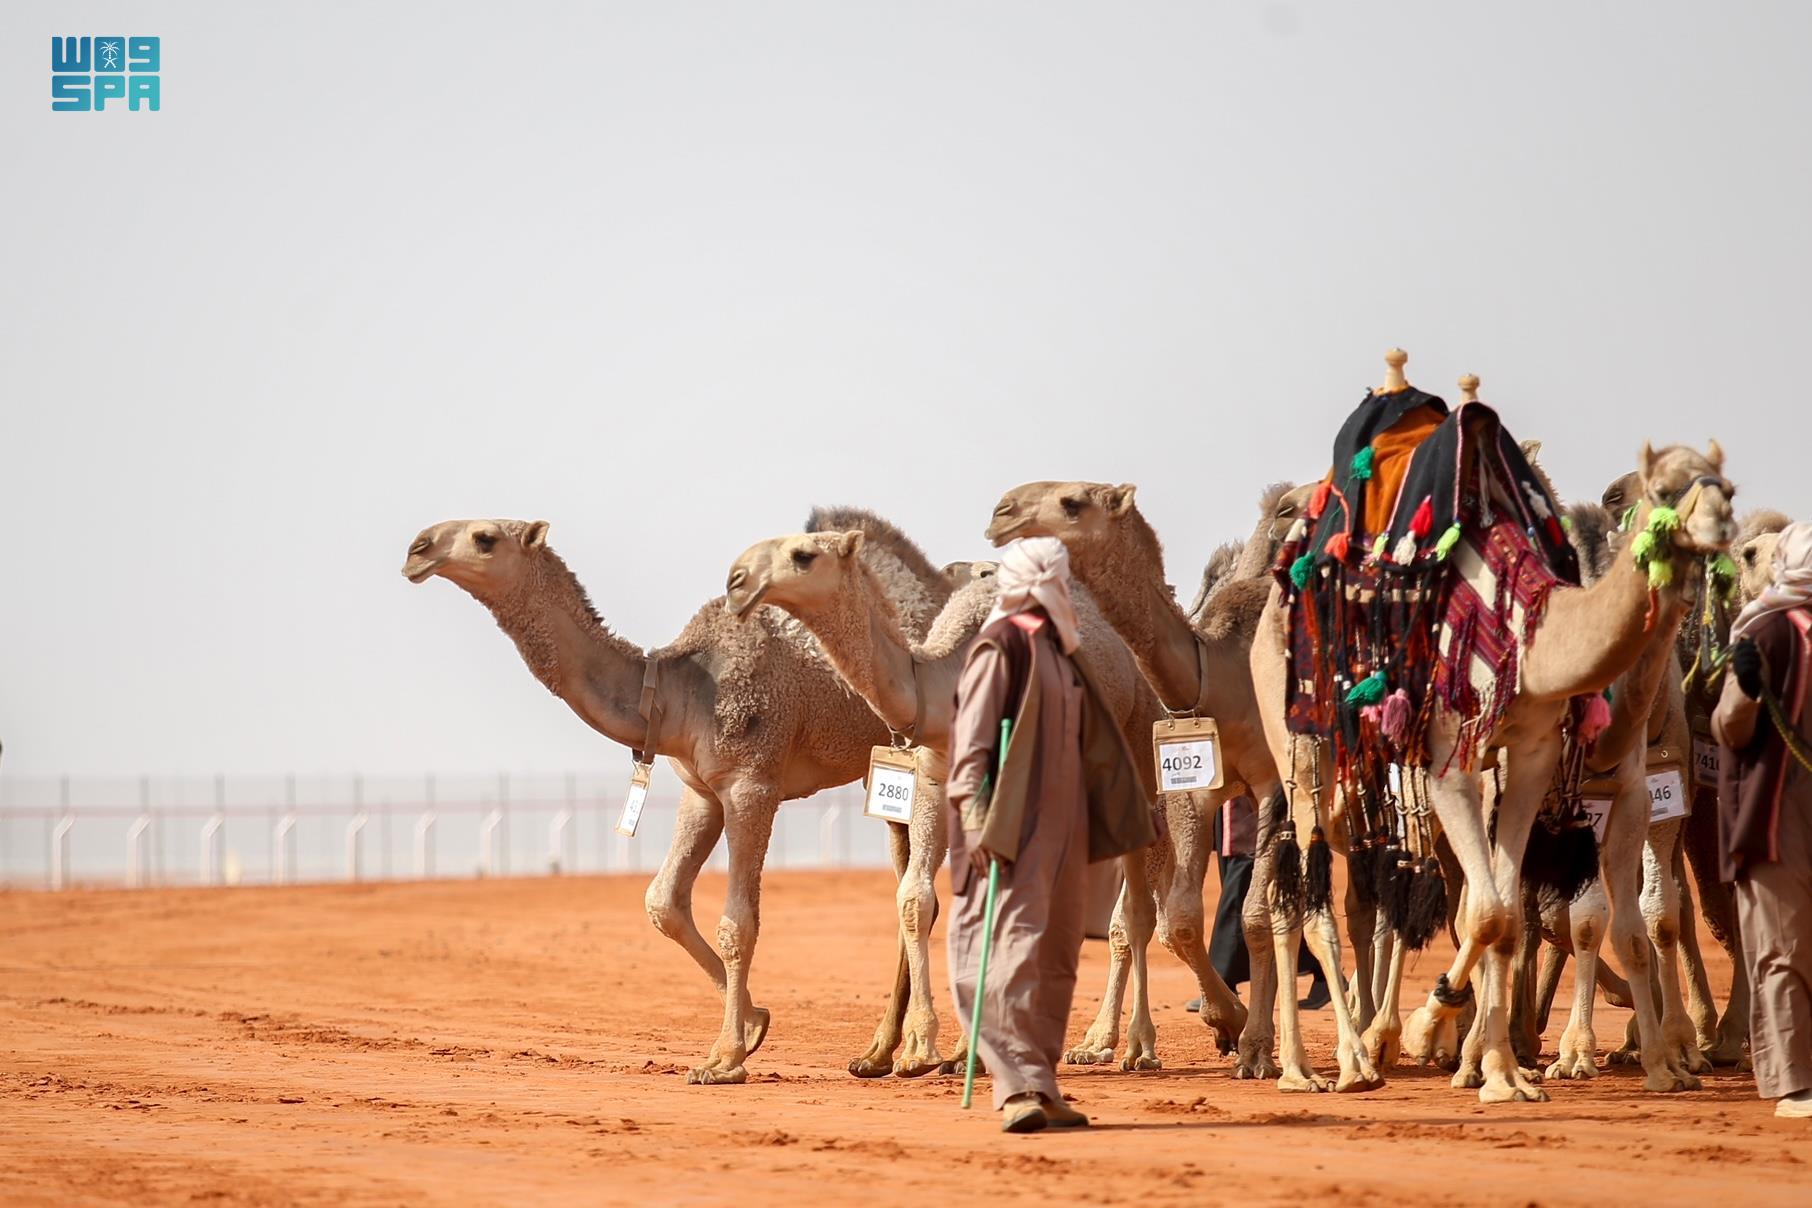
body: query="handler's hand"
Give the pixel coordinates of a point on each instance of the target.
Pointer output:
(1746, 662)
(979, 856)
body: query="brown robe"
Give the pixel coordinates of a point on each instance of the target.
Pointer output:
(1765, 827)
(1052, 808)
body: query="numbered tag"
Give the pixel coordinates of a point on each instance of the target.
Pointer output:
(638, 797)
(1188, 754)
(893, 777)
(1596, 798)
(1666, 794)
(1705, 762)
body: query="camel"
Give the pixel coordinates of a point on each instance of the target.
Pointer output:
(748, 715)
(1193, 668)
(820, 579)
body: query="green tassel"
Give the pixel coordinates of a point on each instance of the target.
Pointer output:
(1642, 549)
(1448, 540)
(1660, 573)
(1662, 522)
(1368, 691)
(1566, 522)
(1724, 571)
(1362, 462)
(1379, 546)
(1627, 521)
(1301, 569)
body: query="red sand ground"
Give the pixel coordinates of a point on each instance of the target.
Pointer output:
(526, 1041)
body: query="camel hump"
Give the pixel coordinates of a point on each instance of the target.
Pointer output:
(1221, 565)
(918, 588)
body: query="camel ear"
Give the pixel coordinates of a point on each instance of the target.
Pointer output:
(1531, 450)
(536, 535)
(1714, 453)
(849, 544)
(1645, 462)
(1120, 499)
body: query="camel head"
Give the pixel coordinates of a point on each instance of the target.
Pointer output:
(961, 574)
(1069, 511)
(801, 571)
(486, 557)
(1693, 484)
(1286, 510)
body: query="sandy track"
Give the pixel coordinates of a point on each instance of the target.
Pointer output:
(526, 1041)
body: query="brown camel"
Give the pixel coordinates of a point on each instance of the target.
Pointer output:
(1201, 668)
(748, 715)
(820, 579)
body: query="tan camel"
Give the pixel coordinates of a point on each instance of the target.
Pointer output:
(1587, 638)
(820, 579)
(747, 715)
(1205, 668)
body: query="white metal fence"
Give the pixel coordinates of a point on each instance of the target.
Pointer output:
(148, 831)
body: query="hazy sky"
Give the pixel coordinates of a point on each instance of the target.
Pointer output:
(666, 274)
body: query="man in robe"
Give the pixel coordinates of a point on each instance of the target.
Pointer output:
(1765, 818)
(1063, 792)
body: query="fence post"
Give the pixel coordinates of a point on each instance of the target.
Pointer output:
(138, 852)
(487, 843)
(424, 845)
(354, 848)
(558, 834)
(827, 834)
(59, 852)
(503, 812)
(211, 843)
(285, 842)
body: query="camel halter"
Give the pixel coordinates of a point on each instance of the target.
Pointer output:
(651, 714)
(910, 738)
(1201, 677)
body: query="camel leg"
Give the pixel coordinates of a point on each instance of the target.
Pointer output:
(1527, 777)
(877, 1061)
(1701, 1004)
(1626, 834)
(1587, 921)
(1286, 941)
(1141, 1031)
(1098, 1043)
(1181, 914)
(1383, 1039)
(697, 825)
(1556, 926)
(749, 819)
(1357, 1073)
(1362, 930)
(1525, 1036)
(1661, 911)
(917, 901)
(1430, 1034)
(1719, 907)
(1255, 1042)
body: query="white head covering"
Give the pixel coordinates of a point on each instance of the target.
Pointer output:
(1035, 571)
(1792, 586)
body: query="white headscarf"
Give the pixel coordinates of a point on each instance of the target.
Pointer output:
(1035, 571)
(1792, 586)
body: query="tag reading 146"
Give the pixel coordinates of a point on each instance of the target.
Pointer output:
(1666, 796)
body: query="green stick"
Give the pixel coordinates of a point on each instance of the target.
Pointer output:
(981, 974)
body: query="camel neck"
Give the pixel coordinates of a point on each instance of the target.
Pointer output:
(1129, 589)
(1591, 636)
(574, 654)
(861, 636)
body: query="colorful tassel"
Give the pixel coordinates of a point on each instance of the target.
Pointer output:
(1373, 715)
(1660, 573)
(1380, 546)
(1301, 569)
(1339, 546)
(1566, 523)
(1368, 691)
(1318, 502)
(1643, 548)
(1596, 721)
(1663, 522)
(1627, 520)
(1396, 717)
(1448, 540)
(1405, 553)
(1422, 523)
(1362, 463)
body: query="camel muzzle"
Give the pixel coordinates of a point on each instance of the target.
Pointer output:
(740, 596)
(419, 570)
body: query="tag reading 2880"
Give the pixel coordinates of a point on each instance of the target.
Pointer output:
(893, 777)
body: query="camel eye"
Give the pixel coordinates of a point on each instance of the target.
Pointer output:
(803, 558)
(1749, 555)
(1072, 507)
(484, 541)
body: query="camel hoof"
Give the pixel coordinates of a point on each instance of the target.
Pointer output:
(1573, 1067)
(902, 1069)
(870, 1066)
(1720, 1056)
(1357, 1083)
(1382, 1048)
(1256, 1068)
(1511, 1092)
(1421, 1036)
(754, 1030)
(1746, 1065)
(1696, 1062)
(1469, 1078)
(1083, 1055)
(1624, 1057)
(1226, 1041)
(716, 1076)
(1142, 1064)
(1667, 1083)
(1303, 1084)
